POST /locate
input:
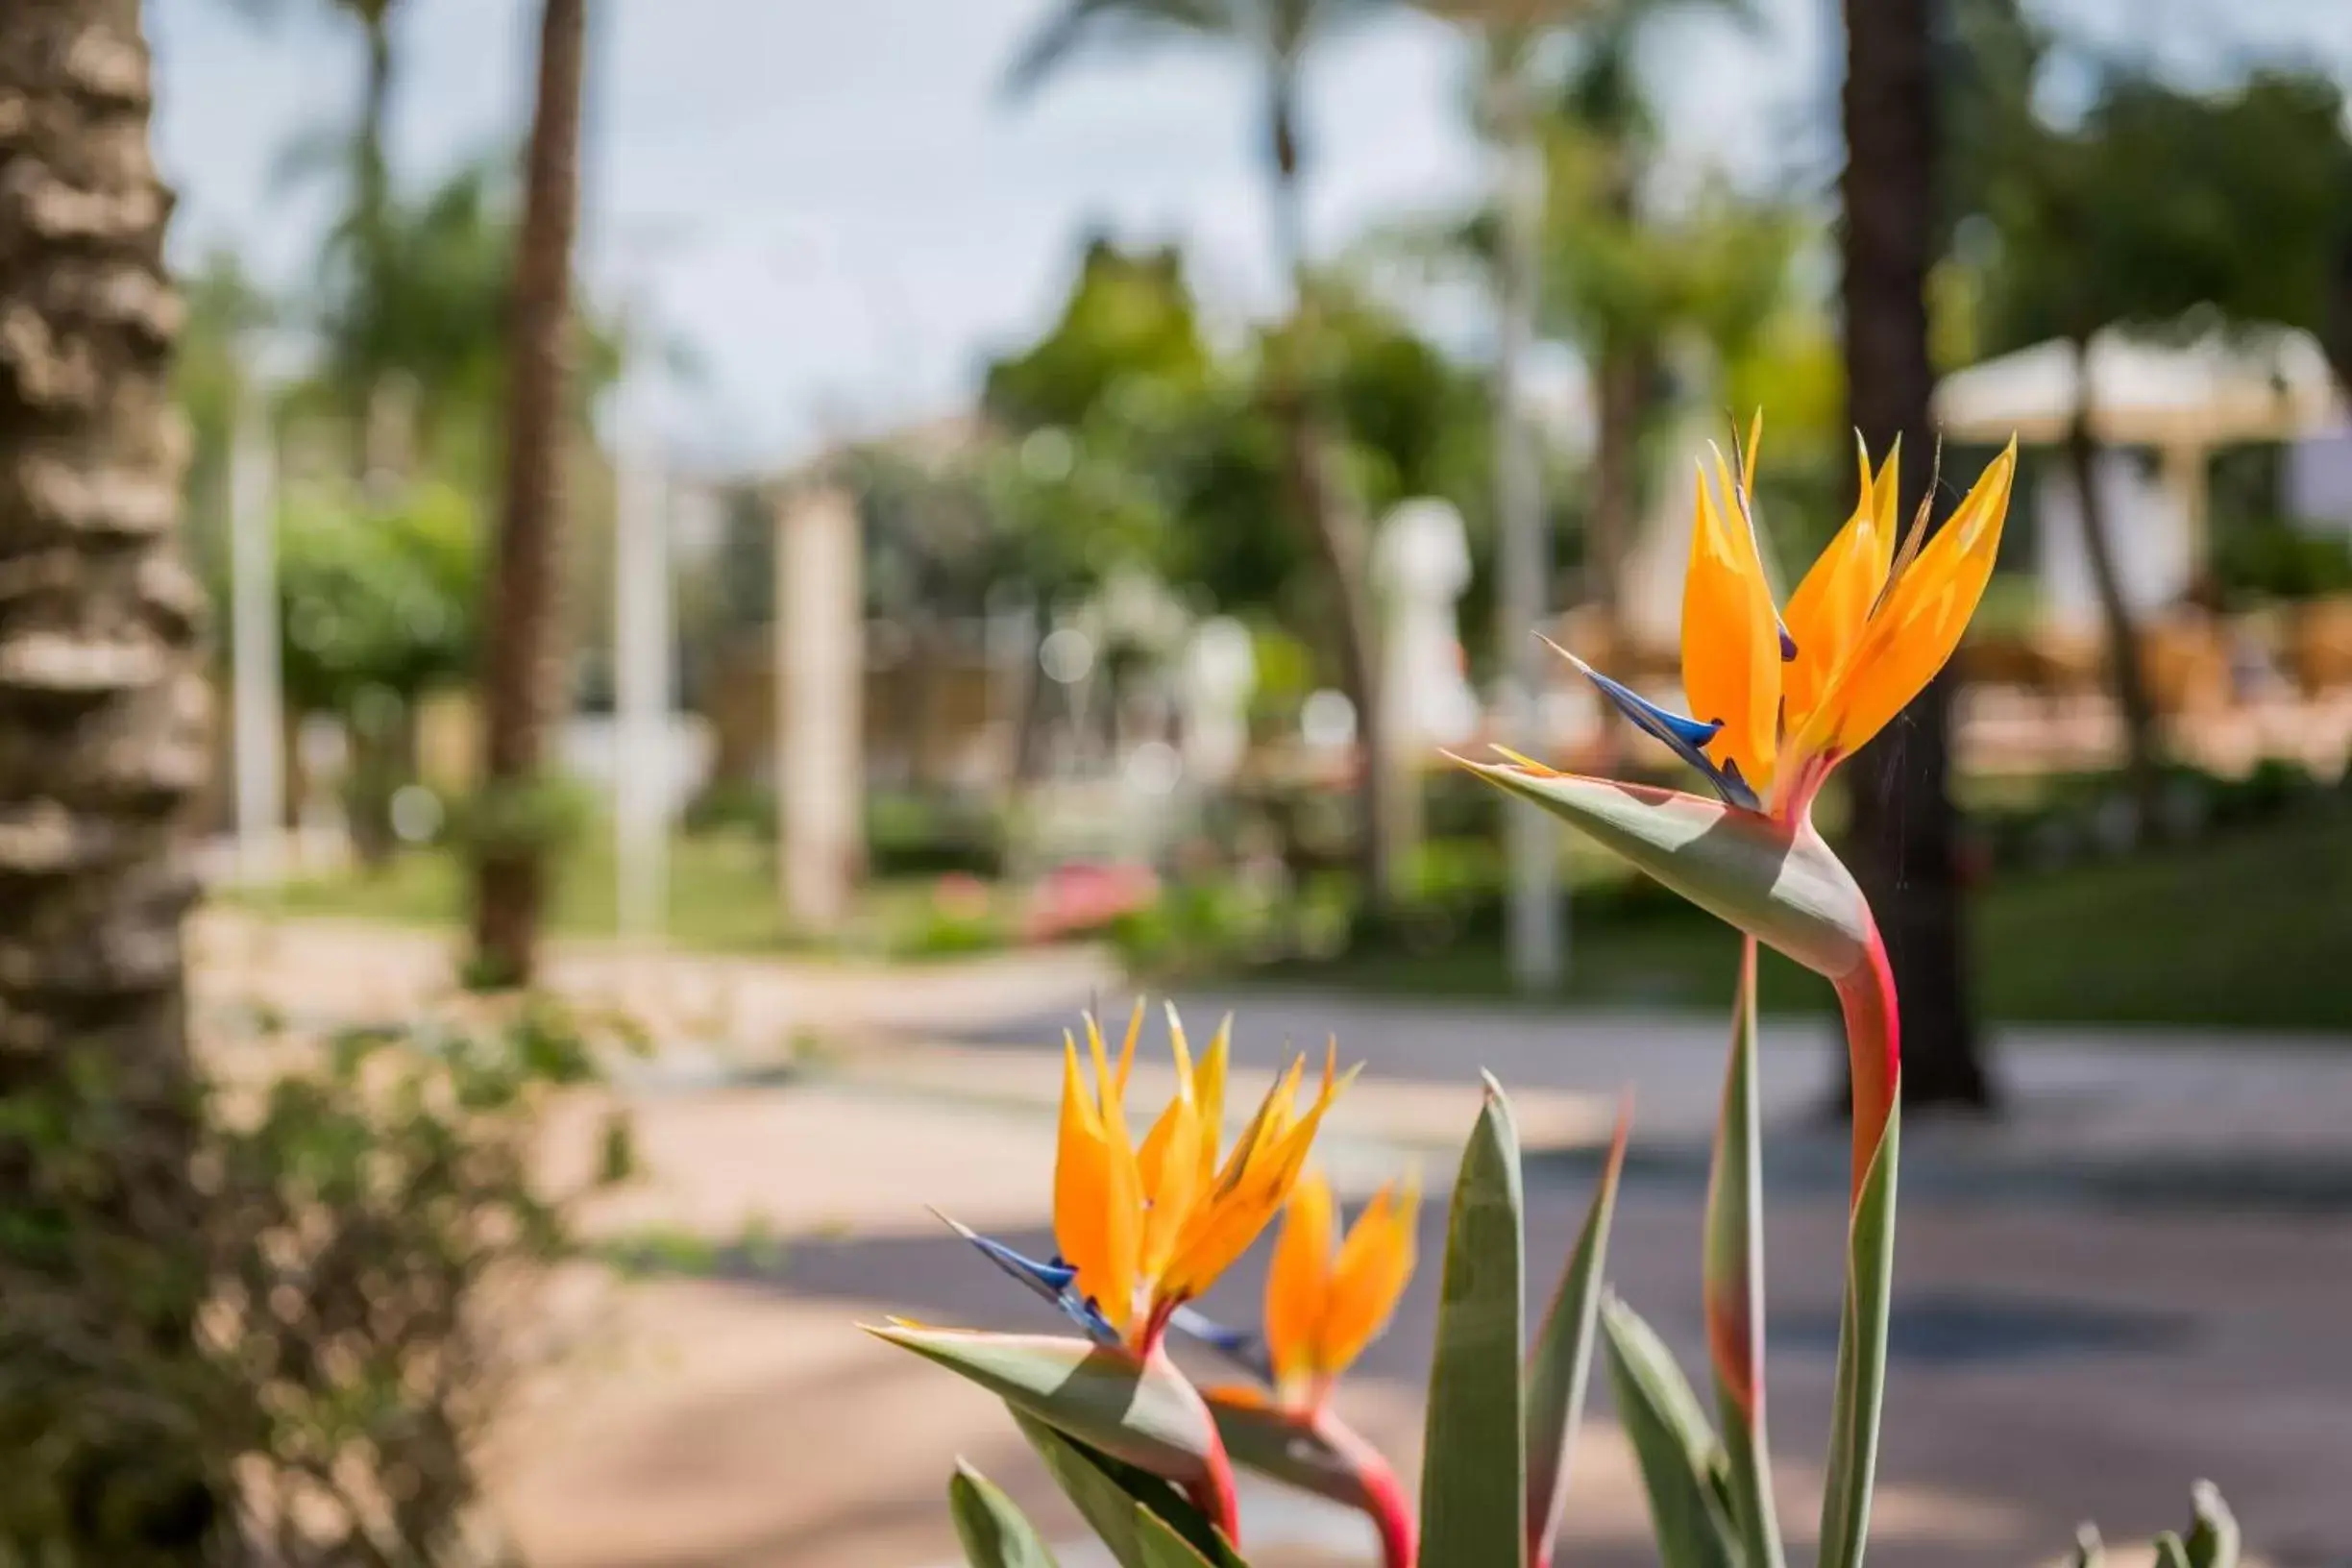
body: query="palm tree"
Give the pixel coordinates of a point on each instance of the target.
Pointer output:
(1906, 826)
(523, 683)
(102, 742)
(1276, 36)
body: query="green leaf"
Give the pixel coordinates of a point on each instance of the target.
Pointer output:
(1683, 1465)
(2089, 1551)
(1862, 1343)
(1143, 1414)
(994, 1533)
(2171, 1553)
(1474, 1469)
(2212, 1540)
(1559, 1364)
(1734, 1285)
(1162, 1547)
(1132, 1510)
(1782, 885)
(1287, 1446)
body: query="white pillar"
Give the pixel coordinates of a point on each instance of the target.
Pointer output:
(2184, 481)
(642, 685)
(1532, 837)
(821, 689)
(258, 702)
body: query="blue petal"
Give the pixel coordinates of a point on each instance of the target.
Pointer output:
(1687, 738)
(1053, 1280)
(1788, 644)
(1244, 1349)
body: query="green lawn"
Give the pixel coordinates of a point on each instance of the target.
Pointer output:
(2250, 929)
(722, 893)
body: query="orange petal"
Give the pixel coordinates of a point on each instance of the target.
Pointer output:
(1208, 1092)
(1829, 609)
(1916, 631)
(1373, 1264)
(1298, 1282)
(1252, 1188)
(1081, 1182)
(1730, 640)
(1122, 1198)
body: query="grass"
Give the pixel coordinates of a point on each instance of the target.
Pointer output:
(2250, 929)
(722, 893)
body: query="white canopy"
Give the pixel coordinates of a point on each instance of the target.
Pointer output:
(2259, 384)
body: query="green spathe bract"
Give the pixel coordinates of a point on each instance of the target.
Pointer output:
(1778, 883)
(1143, 1412)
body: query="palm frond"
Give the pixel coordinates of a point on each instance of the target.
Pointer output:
(1081, 25)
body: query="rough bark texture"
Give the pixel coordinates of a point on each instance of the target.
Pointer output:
(2336, 320)
(1905, 829)
(2140, 747)
(103, 714)
(1616, 439)
(524, 683)
(1319, 494)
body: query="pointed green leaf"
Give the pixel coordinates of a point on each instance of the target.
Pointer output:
(1145, 1414)
(1560, 1363)
(1734, 1285)
(994, 1533)
(2213, 1541)
(1862, 1344)
(1288, 1447)
(1122, 1504)
(2089, 1551)
(2170, 1551)
(1681, 1462)
(1474, 1467)
(1778, 884)
(1162, 1547)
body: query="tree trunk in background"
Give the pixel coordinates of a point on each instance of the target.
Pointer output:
(1905, 829)
(1617, 412)
(2336, 309)
(2127, 669)
(523, 683)
(102, 720)
(1311, 458)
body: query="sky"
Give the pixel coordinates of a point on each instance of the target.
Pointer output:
(837, 211)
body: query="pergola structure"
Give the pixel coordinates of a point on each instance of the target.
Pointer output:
(2184, 400)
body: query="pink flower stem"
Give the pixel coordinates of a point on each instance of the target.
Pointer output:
(1874, 1048)
(1384, 1495)
(1212, 1490)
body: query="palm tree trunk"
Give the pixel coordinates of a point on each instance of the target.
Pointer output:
(1905, 829)
(2335, 308)
(2141, 750)
(1319, 494)
(523, 686)
(1617, 409)
(102, 721)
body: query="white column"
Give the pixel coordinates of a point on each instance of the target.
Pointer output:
(257, 694)
(1532, 837)
(642, 685)
(821, 682)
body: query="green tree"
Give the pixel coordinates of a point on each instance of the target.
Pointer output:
(1276, 36)
(523, 679)
(1625, 273)
(101, 744)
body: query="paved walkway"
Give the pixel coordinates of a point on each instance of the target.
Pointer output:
(2133, 1281)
